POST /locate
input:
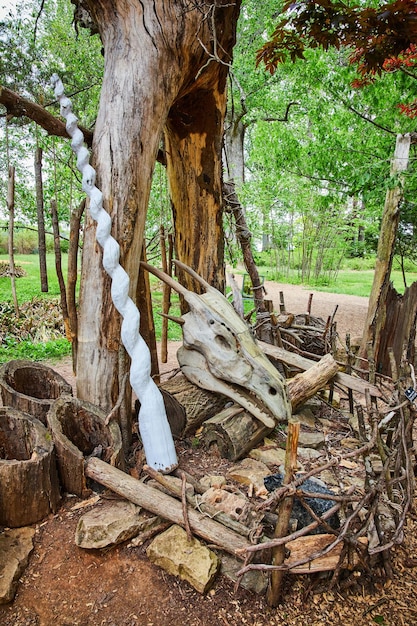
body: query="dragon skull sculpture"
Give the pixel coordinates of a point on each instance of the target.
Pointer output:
(219, 352)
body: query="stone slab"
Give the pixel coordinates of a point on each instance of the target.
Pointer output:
(189, 560)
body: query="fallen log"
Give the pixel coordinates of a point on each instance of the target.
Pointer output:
(305, 385)
(199, 404)
(234, 432)
(295, 360)
(169, 508)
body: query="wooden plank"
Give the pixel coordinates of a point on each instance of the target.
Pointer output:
(295, 360)
(308, 545)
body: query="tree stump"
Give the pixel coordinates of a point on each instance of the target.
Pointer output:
(29, 487)
(31, 387)
(234, 432)
(79, 431)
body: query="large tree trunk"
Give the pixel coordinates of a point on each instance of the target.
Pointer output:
(193, 152)
(155, 68)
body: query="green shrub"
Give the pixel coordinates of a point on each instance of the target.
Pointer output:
(25, 241)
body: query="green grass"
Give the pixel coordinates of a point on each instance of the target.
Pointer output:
(11, 349)
(359, 283)
(348, 281)
(29, 286)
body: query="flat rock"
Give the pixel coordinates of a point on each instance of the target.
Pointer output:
(255, 580)
(108, 524)
(309, 454)
(305, 416)
(250, 472)
(269, 455)
(189, 560)
(313, 440)
(213, 480)
(15, 547)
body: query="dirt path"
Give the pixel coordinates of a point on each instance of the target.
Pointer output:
(351, 310)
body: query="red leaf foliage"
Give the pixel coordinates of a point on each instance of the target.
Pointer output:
(375, 34)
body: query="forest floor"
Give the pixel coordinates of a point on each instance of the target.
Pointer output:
(64, 585)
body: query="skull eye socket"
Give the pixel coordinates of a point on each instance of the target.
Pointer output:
(222, 342)
(272, 391)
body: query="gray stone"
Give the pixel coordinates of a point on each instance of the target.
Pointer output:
(313, 440)
(309, 454)
(190, 560)
(305, 416)
(15, 547)
(109, 524)
(255, 580)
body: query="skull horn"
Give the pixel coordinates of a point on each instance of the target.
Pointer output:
(168, 280)
(194, 275)
(177, 320)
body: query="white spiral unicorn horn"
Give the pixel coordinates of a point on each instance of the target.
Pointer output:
(153, 423)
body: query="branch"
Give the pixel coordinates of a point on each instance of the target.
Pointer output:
(368, 119)
(17, 106)
(281, 119)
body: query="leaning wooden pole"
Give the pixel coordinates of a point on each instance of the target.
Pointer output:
(58, 268)
(166, 290)
(376, 315)
(273, 594)
(10, 207)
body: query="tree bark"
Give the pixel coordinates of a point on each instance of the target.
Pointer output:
(78, 430)
(199, 404)
(377, 308)
(162, 64)
(29, 487)
(31, 387)
(194, 174)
